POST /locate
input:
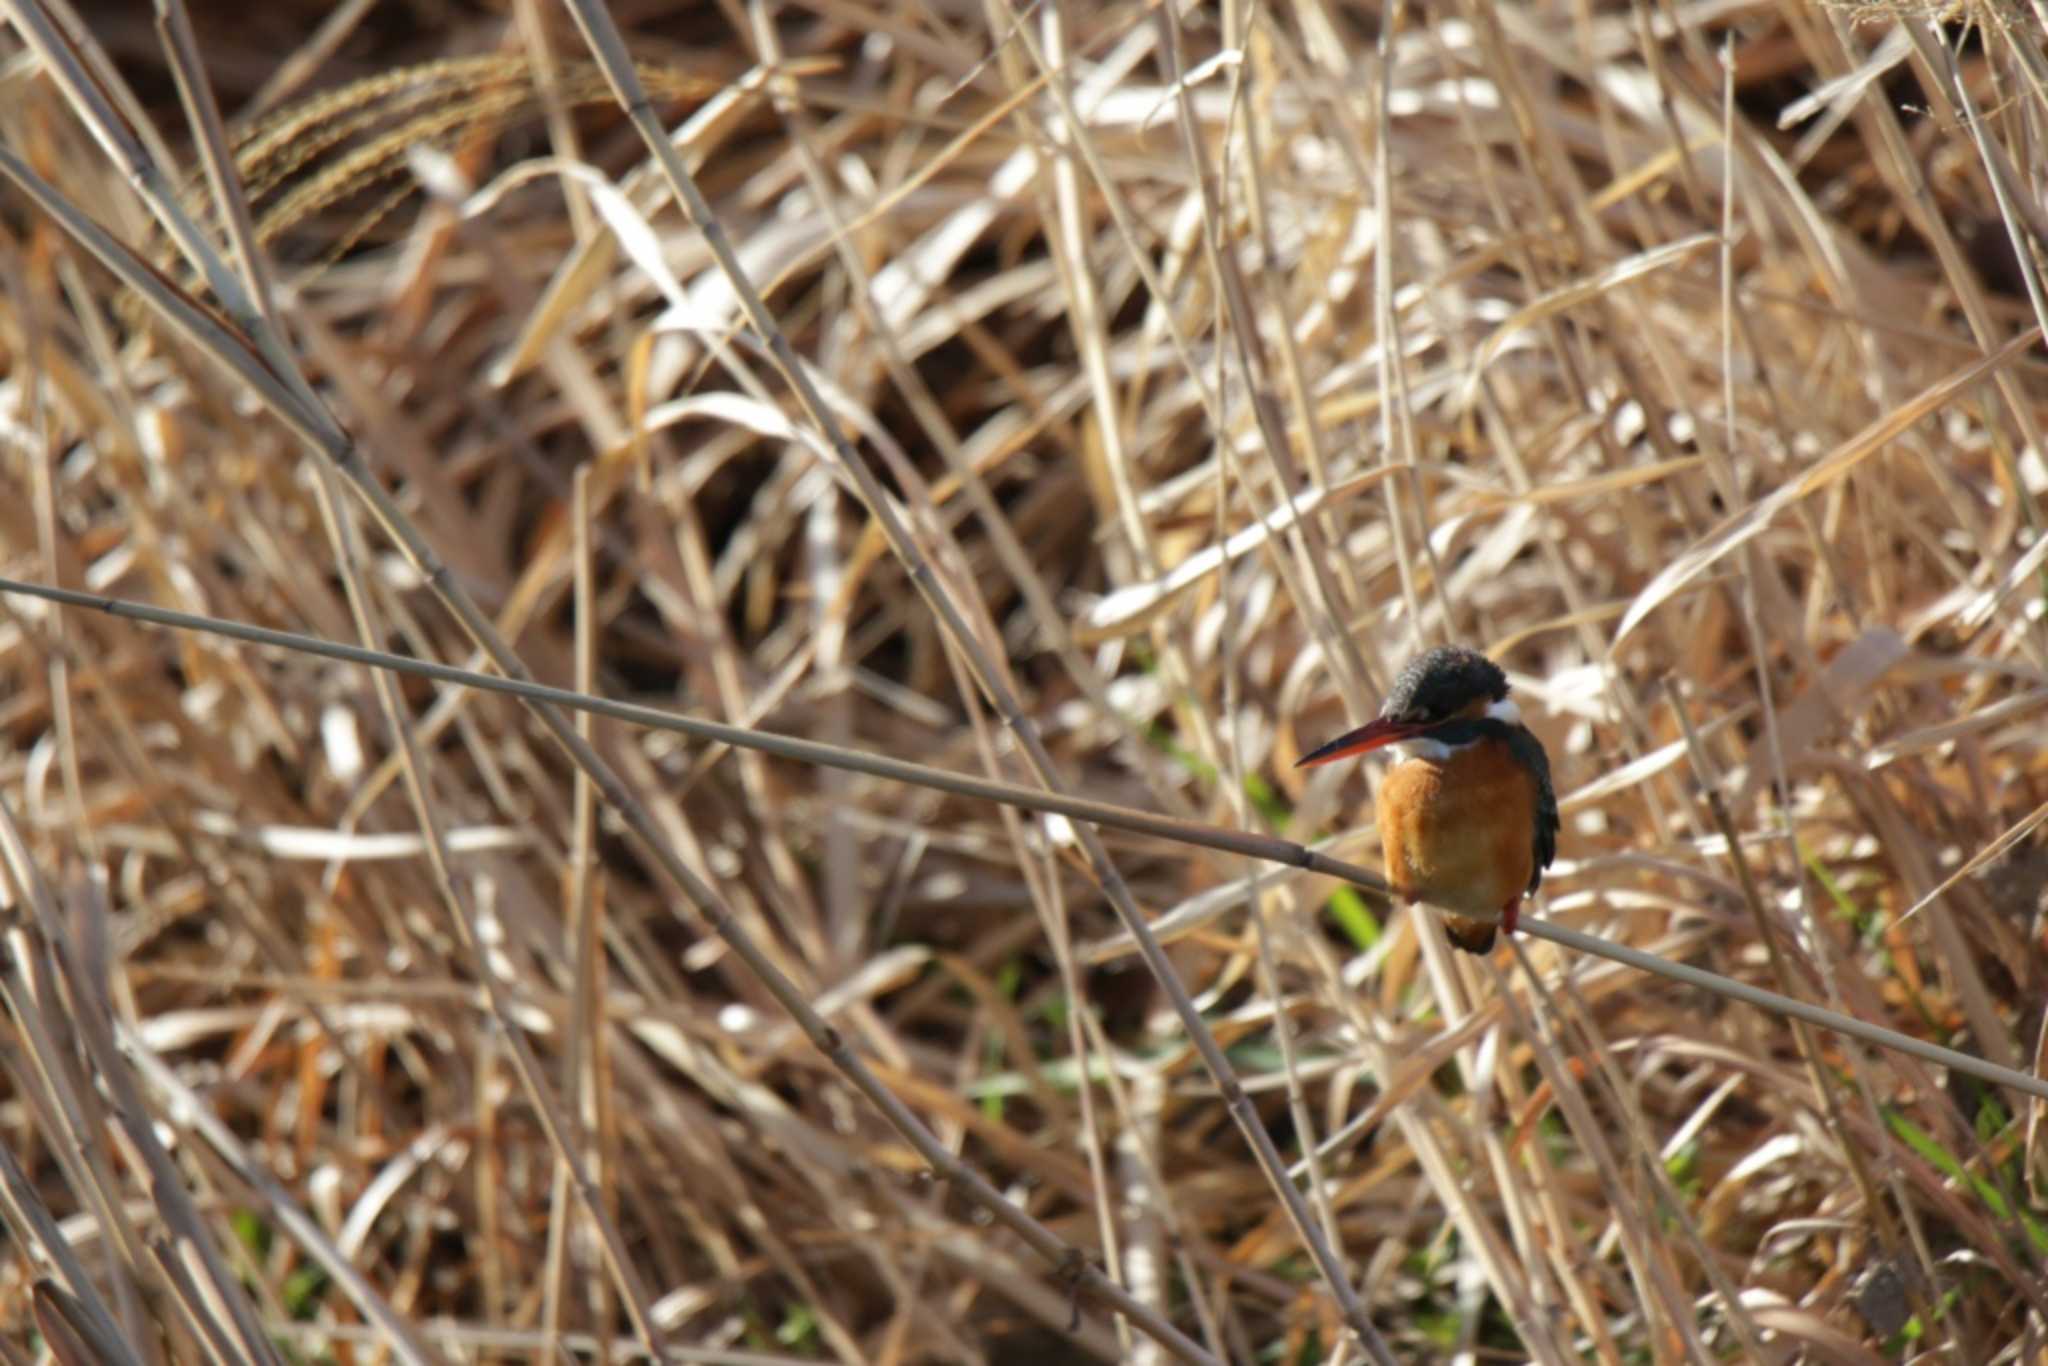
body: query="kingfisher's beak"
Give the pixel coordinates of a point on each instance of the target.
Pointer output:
(1370, 736)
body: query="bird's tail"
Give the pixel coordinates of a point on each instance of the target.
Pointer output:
(1473, 936)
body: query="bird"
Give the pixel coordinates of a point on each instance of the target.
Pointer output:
(1468, 820)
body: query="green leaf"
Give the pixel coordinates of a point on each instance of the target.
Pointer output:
(303, 1291)
(252, 1232)
(1353, 917)
(1987, 1193)
(799, 1327)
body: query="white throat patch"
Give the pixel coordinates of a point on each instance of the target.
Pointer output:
(1422, 747)
(1436, 751)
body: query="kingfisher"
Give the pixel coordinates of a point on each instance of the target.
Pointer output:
(1468, 820)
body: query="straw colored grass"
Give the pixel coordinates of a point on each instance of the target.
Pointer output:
(1102, 401)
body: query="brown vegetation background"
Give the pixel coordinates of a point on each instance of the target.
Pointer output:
(1217, 360)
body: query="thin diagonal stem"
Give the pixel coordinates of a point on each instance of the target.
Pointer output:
(1079, 809)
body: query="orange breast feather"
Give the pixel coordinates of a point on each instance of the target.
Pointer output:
(1460, 833)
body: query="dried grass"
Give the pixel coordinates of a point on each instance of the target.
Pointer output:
(1191, 376)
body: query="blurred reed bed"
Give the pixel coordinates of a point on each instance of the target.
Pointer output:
(1216, 362)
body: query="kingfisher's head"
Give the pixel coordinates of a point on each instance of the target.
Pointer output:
(1440, 690)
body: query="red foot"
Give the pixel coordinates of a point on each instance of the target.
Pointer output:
(1509, 914)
